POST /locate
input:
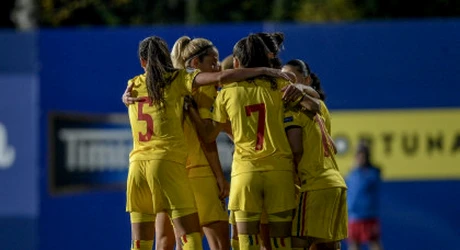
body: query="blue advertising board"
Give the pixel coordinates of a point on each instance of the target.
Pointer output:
(19, 196)
(77, 193)
(88, 152)
(19, 172)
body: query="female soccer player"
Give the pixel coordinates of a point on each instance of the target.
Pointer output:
(321, 214)
(304, 76)
(157, 180)
(262, 170)
(203, 165)
(273, 41)
(273, 44)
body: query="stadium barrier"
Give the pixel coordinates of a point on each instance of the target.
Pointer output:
(64, 136)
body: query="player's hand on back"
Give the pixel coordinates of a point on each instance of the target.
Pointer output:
(127, 98)
(189, 103)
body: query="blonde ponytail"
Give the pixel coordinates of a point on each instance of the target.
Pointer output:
(177, 54)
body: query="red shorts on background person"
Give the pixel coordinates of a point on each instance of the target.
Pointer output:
(364, 231)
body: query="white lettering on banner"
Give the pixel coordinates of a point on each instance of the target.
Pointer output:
(96, 149)
(7, 152)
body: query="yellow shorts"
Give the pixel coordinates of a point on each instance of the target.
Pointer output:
(321, 214)
(159, 185)
(210, 207)
(255, 191)
(263, 218)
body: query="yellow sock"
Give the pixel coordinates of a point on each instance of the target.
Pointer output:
(249, 241)
(281, 243)
(141, 244)
(235, 244)
(191, 241)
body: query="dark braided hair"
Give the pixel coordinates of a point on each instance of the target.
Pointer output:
(252, 52)
(274, 42)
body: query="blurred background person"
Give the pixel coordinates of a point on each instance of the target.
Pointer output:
(363, 183)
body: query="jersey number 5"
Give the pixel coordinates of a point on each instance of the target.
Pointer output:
(325, 138)
(260, 123)
(141, 116)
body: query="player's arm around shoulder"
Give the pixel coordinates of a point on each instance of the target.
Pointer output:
(302, 96)
(235, 75)
(129, 96)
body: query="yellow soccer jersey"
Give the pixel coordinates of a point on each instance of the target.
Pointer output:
(158, 134)
(256, 113)
(204, 98)
(317, 168)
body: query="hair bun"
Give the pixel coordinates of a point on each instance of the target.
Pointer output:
(278, 37)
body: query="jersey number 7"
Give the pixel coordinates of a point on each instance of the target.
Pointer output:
(260, 123)
(141, 116)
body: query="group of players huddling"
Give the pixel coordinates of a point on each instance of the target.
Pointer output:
(286, 191)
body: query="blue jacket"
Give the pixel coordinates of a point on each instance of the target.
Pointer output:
(363, 192)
